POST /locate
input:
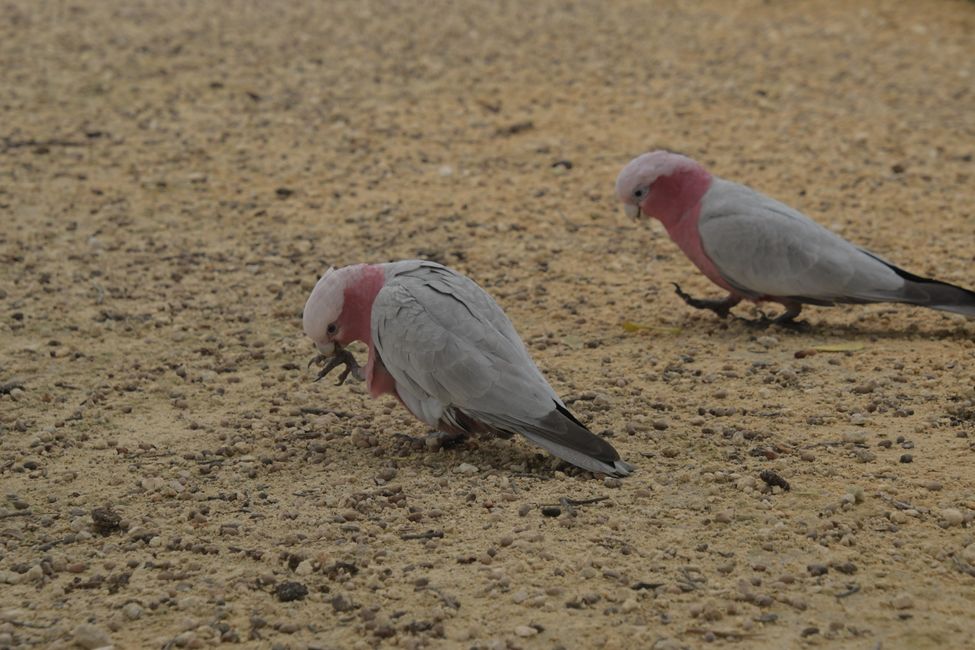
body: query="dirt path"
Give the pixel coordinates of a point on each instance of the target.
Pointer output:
(175, 176)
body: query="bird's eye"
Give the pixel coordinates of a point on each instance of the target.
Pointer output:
(639, 193)
(332, 328)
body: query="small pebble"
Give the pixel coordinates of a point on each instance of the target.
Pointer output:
(525, 631)
(903, 601)
(132, 611)
(865, 455)
(907, 458)
(289, 591)
(952, 516)
(91, 636)
(34, 573)
(551, 511)
(466, 468)
(817, 569)
(898, 517)
(341, 604)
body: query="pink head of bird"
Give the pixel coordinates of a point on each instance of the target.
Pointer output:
(635, 184)
(324, 309)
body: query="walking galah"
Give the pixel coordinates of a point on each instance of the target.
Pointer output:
(759, 249)
(439, 343)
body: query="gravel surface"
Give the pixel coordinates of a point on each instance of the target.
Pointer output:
(174, 177)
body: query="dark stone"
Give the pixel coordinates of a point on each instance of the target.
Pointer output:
(289, 591)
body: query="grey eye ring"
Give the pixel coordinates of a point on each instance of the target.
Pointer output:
(332, 328)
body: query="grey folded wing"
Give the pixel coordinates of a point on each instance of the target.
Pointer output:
(446, 342)
(765, 248)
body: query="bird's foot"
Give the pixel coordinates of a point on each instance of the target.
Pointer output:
(786, 320)
(444, 440)
(720, 307)
(433, 441)
(792, 324)
(342, 357)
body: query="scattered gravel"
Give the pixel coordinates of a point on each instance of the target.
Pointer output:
(174, 478)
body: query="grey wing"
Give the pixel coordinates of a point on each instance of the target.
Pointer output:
(447, 343)
(456, 357)
(765, 248)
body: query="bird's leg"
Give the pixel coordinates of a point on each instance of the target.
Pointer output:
(787, 318)
(342, 357)
(720, 307)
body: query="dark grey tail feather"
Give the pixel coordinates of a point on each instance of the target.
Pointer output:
(563, 436)
(940, 295)
(935, 294)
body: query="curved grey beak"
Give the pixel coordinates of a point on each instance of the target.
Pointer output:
(632, 211)
(326, 349)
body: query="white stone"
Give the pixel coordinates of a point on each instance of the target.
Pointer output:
(952, 516)
(91, 637)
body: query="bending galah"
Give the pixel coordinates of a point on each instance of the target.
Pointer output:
(759, 249)
(440, 344)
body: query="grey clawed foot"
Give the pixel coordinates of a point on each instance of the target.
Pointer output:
(340, 358)
(760, 322)
(786, 320)
(445, 440)
(720, 307)
(792, 324)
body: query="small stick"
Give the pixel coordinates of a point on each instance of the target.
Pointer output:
(37, 626)
(721, 634)
(430, 534)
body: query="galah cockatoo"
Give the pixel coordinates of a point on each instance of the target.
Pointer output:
(440, 344)
(759, 249)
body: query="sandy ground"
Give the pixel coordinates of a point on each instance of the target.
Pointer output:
(174, 176)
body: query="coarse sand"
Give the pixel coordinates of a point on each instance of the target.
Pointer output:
(175, 176)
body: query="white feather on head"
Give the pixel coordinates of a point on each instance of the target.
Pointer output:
(647, 168)
(324, 305)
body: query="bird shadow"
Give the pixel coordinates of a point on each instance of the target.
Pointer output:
(816, 329)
